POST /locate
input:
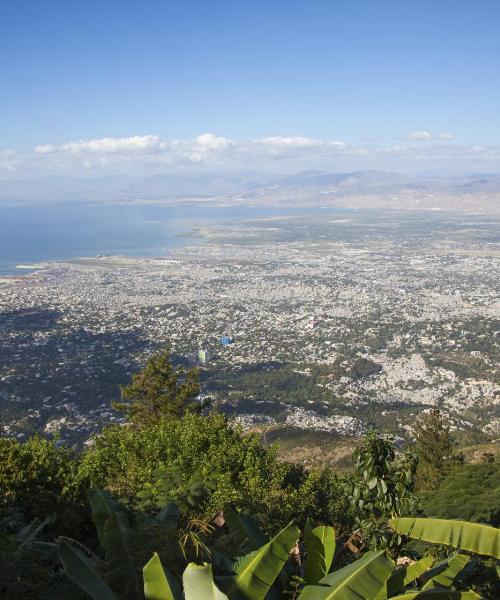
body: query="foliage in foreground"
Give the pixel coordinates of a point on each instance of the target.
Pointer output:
(198, 462)
(201, 463)
(38, 477)
(276, 566)
(383, 486)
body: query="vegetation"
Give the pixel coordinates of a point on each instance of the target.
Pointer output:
(202, 463)
(434, 445)
(470, 492)
(383, 487)
(160, 390)
(38, 477)
(185, 506)
(290, 563)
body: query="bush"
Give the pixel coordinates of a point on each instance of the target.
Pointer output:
(202, 463)
(39, 478)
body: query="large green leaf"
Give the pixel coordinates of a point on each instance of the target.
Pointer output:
(80, 569)
(199, 584)
(101, 510)
(361, 580)
(437, 594)
(28, 534)
(320, 546)
(120, 571)
(444, 573)
(417, 569)
(257, 571)
(245, 527)
(404, 575)
(159, 583)
(473, 537)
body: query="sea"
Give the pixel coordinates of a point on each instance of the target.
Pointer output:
(35, 233)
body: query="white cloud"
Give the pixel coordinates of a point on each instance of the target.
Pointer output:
(209, 141)
(135, 143)
(288, 142)
(421, 136)
(45, 149)
(150, 152)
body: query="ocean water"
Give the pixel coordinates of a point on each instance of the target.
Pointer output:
(35, 233)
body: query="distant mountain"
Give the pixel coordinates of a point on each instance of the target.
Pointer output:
(379, 186)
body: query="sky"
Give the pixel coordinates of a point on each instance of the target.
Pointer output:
(94, 88)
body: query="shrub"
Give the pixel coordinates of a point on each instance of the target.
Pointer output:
(39, 478)
(202, 463)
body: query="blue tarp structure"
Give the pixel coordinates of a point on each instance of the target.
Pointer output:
(225, 340)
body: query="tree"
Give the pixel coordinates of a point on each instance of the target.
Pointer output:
(383, 487)
(160, 390)
(434, 445)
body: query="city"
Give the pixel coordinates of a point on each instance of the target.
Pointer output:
(338, 323)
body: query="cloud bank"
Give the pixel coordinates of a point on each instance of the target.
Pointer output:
(419, 149)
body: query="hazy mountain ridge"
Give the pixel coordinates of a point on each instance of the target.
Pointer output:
(375, 188)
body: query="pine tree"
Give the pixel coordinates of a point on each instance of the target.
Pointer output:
(159, 391)
(434, 445)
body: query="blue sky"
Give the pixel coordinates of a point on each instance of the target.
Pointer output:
(400, 84)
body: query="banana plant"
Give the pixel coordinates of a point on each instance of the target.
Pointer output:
(320, 548)
(404, 576)
(252, 577)
(444, 573)
(114, 576)
(26, 563)
(199, 583)
(83, 570)
(362, 579)
(438, 595)
(245, 529)
(255, 573)
(473, 537)
(159, 583)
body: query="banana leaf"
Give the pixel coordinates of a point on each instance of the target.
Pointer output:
(473, 537)
(159, 583)
(444, 574)
(29, 533)
(438, 594)
(362, 579)
(403, 576)
(120, 572)
(80, 569)
(257, 571)
(199, 584)
(245, 528)
(101, 510)
(320, 546)
(417, 569)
